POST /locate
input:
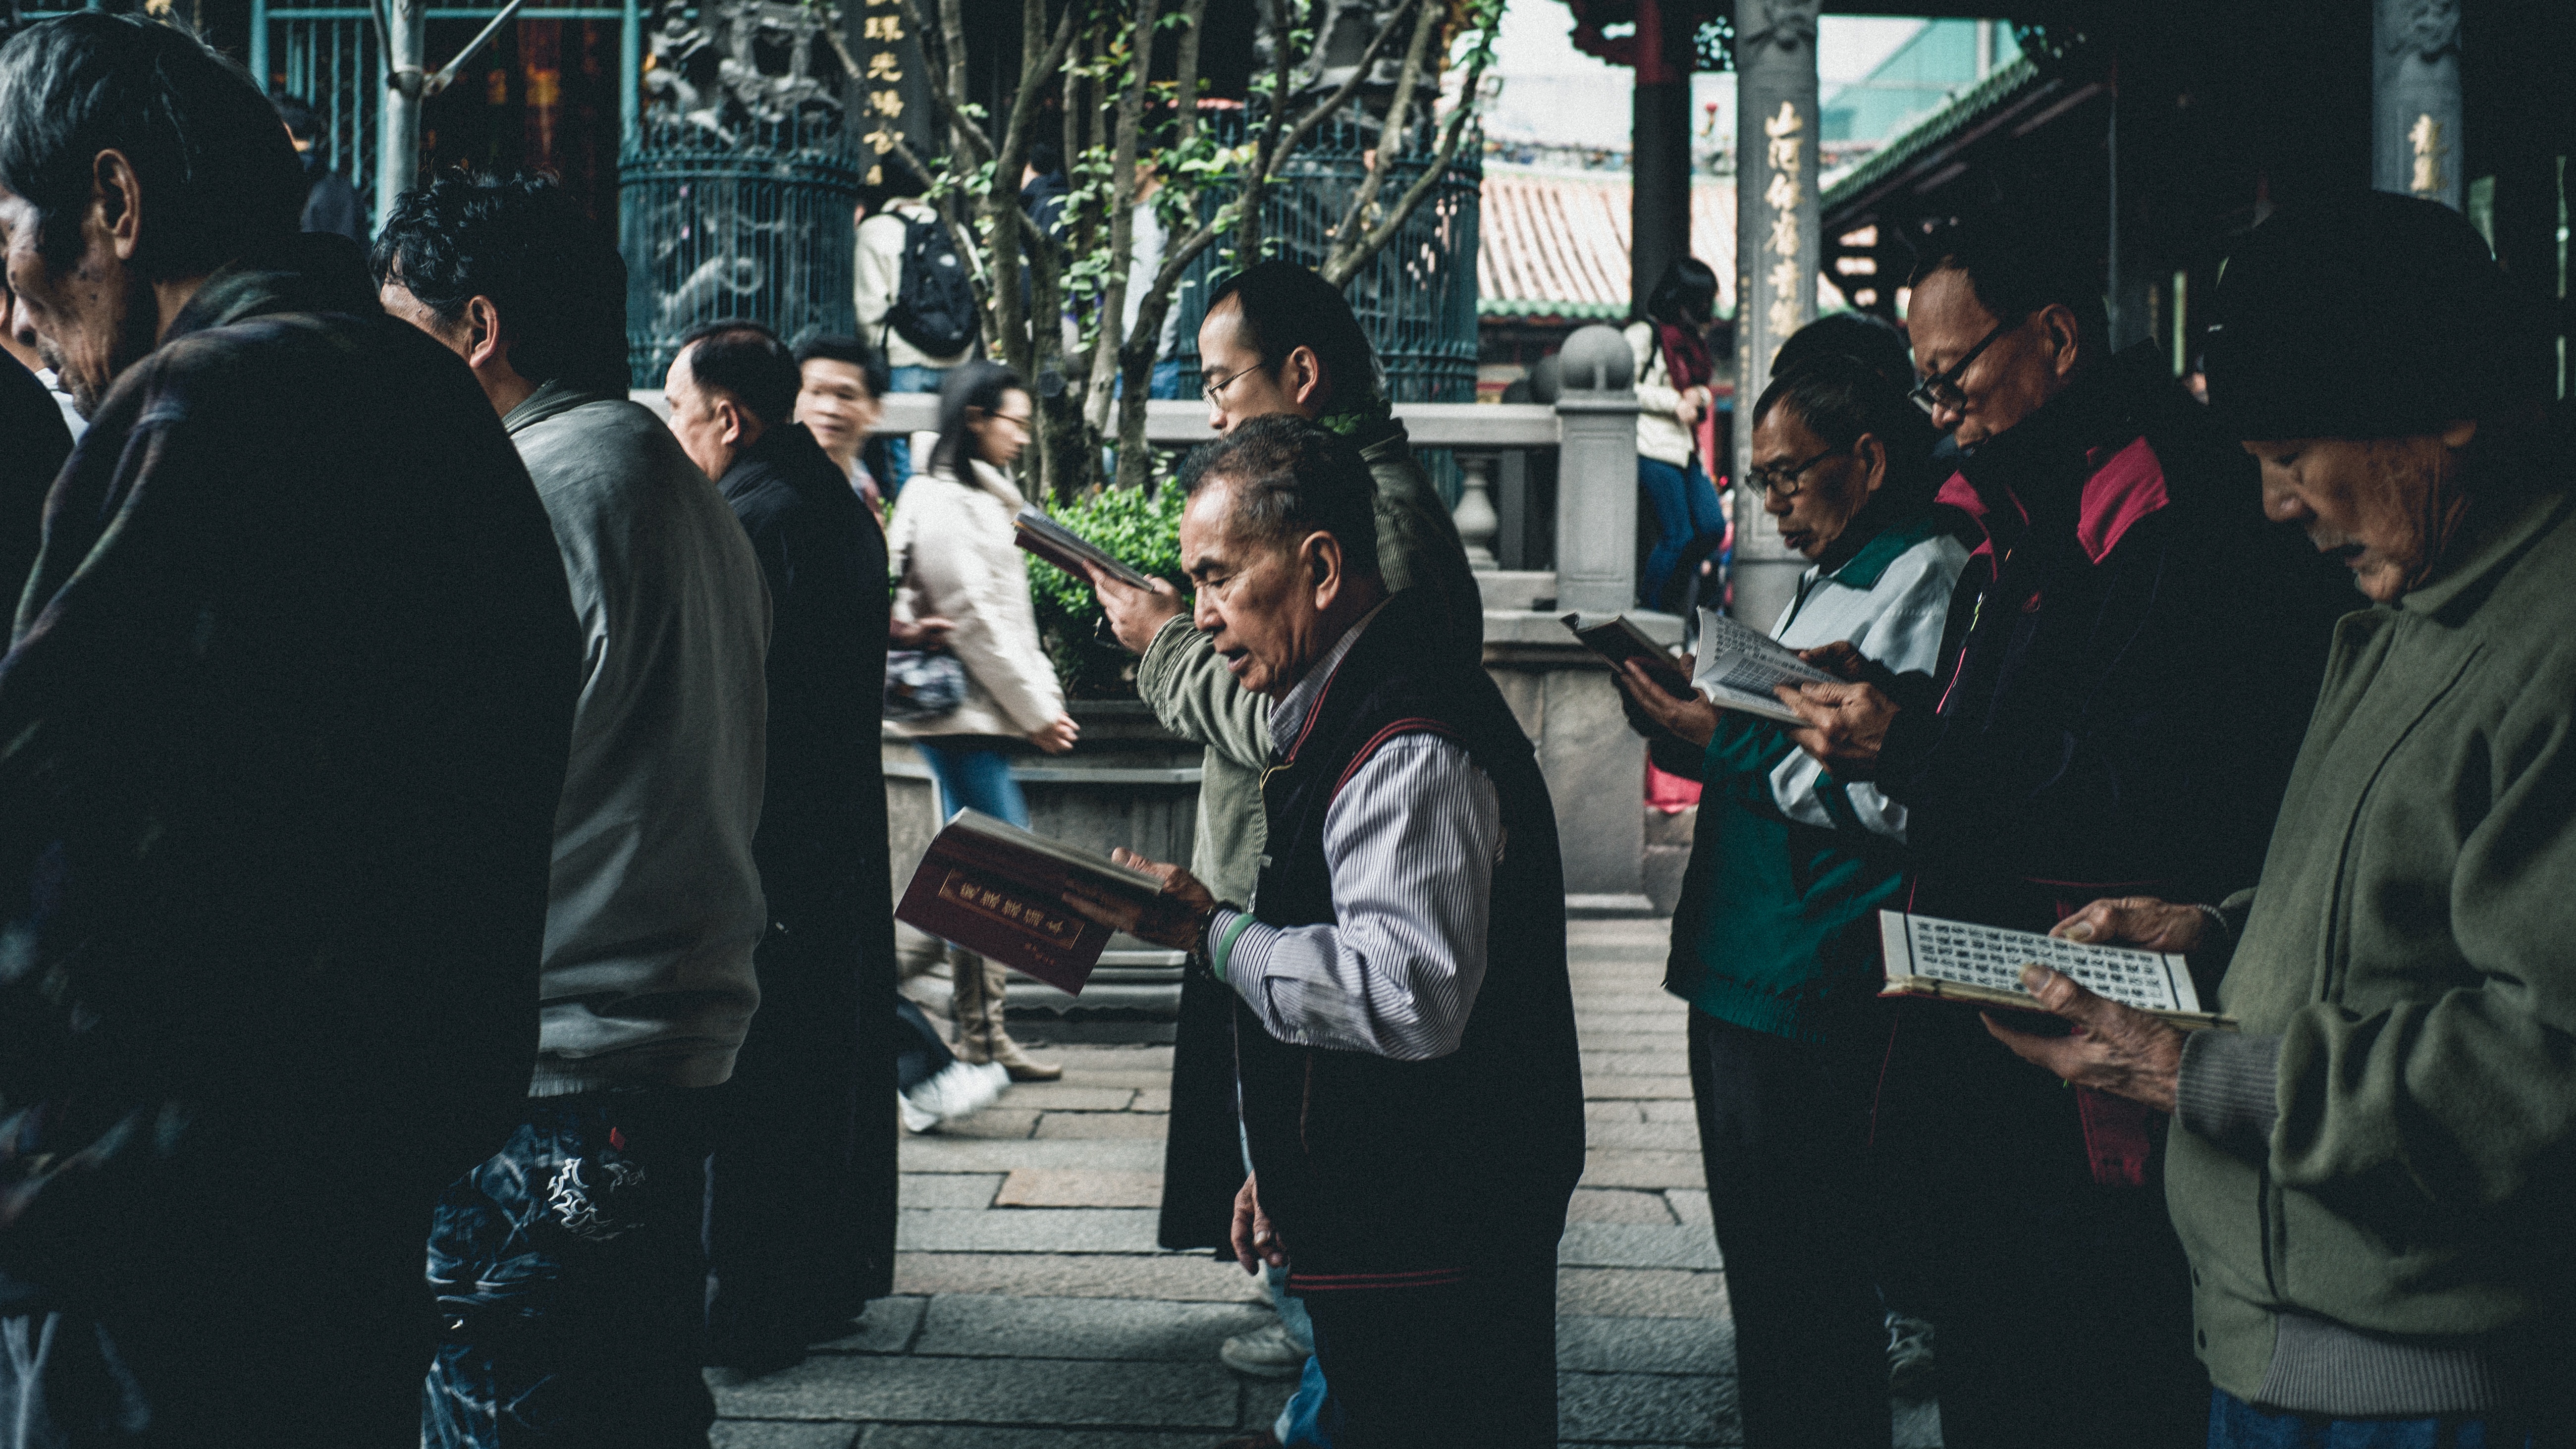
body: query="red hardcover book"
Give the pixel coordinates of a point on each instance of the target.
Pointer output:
(998, 890)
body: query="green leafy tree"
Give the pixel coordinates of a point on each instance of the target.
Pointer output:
(1128, 136)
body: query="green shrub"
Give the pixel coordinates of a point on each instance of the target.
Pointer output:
(1145, 533)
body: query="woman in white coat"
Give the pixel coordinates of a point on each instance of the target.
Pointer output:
(952, 542)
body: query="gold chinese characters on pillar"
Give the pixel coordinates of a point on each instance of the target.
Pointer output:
(2426, 137)
(1781, 192)
(884, 72)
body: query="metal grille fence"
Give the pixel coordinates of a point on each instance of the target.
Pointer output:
(1416, 298)
(756, 229)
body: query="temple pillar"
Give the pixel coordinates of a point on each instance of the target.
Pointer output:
(1659, 199)
(1776, 251)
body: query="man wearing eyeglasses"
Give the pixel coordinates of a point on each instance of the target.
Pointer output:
(2141, 659)
(1278, 339)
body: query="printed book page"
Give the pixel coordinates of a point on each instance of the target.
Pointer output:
(1082, 864)
(1987, 960)
(1738, 667)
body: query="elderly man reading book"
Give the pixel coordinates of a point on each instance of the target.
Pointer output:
(2371, 1178)
(1404, 1034)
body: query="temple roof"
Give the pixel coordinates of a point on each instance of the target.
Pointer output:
(1554, 244)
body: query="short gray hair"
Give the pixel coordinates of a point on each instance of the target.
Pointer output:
(1290, 478)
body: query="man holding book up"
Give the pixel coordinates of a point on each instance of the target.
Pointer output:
(1404, 1031)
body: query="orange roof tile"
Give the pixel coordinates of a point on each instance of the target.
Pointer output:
(1555, 243)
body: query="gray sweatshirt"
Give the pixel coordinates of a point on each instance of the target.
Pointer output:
(655, 905)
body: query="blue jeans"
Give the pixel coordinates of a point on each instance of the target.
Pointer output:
(975, 777)
(570, 1282)
(1166, 380)
(2236, 1424)
(899, 448)
(1685, 505)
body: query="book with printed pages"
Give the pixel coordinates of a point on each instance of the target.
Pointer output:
(1956, 961)
(998, 890)
(1739, 666)
(1619, 641)
(1068, 550)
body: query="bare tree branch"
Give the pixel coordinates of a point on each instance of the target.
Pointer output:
(1391, 137)
(1185, 92)
(1122, 216)
(1346, 262)
(1307, 123)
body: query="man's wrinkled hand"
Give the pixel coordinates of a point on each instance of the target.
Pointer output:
(1693, 719)
(2140, 921)
(1135, 615)
(1255, 1241)
(1846, 725)
(1169, 919)
(2114, 1048)
(1843, 660)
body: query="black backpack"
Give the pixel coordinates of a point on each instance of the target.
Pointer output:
(934, 301)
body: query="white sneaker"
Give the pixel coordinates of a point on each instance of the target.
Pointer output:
(960, 1090)
(914, 1118)
(1266, 1352)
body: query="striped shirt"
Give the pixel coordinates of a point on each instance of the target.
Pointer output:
(1411, 839)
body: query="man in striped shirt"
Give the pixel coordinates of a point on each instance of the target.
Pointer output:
(1404, 1032)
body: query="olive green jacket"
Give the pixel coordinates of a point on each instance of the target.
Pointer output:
(2374, 1179)
(1196, 697)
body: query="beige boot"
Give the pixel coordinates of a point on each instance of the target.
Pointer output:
(982, 1033)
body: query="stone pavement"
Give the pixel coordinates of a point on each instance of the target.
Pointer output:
(1034, 1312)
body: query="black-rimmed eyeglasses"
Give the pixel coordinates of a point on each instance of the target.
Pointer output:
(1941, 389)
(1781, 480)
(1217, 388)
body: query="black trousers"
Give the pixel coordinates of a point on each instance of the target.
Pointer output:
(800, 1201)
(1470, 1365)
(2062, 1306)
(1784, 1139)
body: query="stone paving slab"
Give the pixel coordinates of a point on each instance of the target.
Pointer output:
(955, 1154)
(1619, 1111)
(1035, 1230)
(1073, 1187)
(1690, 1204)
(1645, 1345)
(1617, 1205)
(1646, 1408)
(1069, 1095)
(993, 1122)
(1637, 1088)
(1636, 1245)
(1635, 1064)
(766, 1434)
(888, 1326)
(1094, 1126)
(1618, 1167)
(992, 1391)
(1175, 1277)
(947, 1189)
(1655, 1136)
(979, 1326)
(1684, 1110)
(1635, 1293)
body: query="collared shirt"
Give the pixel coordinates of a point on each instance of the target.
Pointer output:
(1893, 610)
(1411, 840)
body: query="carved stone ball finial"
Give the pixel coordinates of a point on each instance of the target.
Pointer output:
(1596, 359)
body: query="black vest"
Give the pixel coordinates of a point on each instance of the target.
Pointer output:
(1371, 1166)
